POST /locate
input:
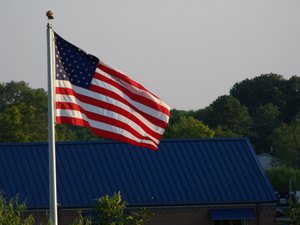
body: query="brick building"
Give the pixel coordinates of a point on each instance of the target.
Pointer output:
(186, 182)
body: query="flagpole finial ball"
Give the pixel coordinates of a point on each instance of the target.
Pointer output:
(49, 14)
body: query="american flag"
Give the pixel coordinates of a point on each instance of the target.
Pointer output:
(92, 94)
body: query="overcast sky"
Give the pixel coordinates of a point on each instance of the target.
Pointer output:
(188, 52)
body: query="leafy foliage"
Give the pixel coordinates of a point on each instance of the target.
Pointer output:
(265, 120)
(19, 92)
(221, 132)
(281, 178)
(292, 99)
(286, 142)
(12, 212)
(261, 90)
(227, 112)
(111, 211)
(23, 113)
(188, 127)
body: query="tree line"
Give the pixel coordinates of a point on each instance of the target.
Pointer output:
(265, 108)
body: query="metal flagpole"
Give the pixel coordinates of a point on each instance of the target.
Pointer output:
(51, 128)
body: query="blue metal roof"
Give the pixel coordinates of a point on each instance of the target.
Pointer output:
(232, 214)
(183, 171)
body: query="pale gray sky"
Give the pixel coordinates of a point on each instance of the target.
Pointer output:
(188, 52)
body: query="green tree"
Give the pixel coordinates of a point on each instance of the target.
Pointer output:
(20, 92)
(176, 115)
(292, 98)
(265, 120)
(19, 122)
(23, 112)
(229, 114)
(203, 114)
(286, 142)
(281, 178)
(12, 212)
(261, 90)
(188, 127)
(220, 132)
(111, 211)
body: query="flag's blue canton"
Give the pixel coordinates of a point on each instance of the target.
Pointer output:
(73, 64)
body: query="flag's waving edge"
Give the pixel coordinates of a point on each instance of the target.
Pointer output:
(92, 94)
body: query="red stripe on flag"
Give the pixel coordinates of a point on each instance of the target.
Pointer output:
(100, 118)
(121, 76)
(135, 97)
(110, 107)
(103, 133)
(117, 97)
(102, 104)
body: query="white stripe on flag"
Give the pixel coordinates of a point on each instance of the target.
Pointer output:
(104, 98)
(152, 112)
(134, 89)
(103, 112)
(101, 126)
